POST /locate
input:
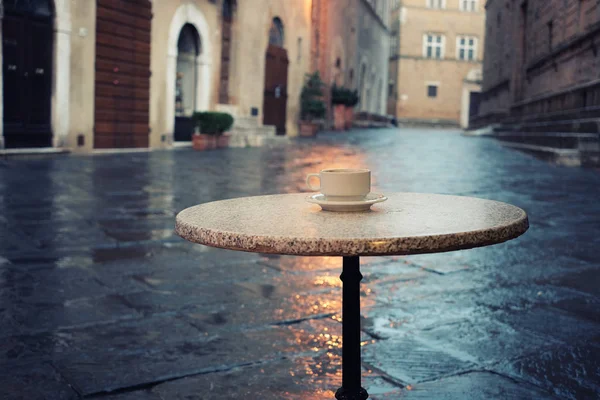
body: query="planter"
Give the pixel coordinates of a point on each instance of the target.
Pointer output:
(348, 117)
(339, 117)
(308, 128)
(222, 141)
(201, 141)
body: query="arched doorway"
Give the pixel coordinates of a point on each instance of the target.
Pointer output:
(186, 82)
(276, 70)
(27, 36)
(187, 14)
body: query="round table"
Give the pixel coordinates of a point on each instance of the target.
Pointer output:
(407, 223)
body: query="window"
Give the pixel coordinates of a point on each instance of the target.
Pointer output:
(432, 90)
(433, 45)
(468, 5)
(436, 4)
(394, 45)
(466, 48)
(391, 89)
(276, 32)
(550, 35)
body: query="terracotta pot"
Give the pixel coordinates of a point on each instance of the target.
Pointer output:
(308, 128)
(201, 141)
(339, 117)
(349, 117)
(222, 141)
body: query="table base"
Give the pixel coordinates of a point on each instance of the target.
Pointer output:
(341, 394)
(351, 364)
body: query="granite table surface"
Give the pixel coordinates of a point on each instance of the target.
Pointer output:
(407, 223)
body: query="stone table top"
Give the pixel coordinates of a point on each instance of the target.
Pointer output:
(407, 223)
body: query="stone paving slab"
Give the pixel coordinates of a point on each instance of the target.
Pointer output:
(133, 354)
(34, 382)
(571, 372)
(486, 340)
(410, 361)
(302, 378)
(474, 385)
(45, 317)
(552, 323)
(95, 286)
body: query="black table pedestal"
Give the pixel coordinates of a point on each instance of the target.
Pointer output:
(351, 364)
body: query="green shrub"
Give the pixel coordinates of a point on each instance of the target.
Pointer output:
(344, 96)
(311, 98)
(212, 122)
(353, 98)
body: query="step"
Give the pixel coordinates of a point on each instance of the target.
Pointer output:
(557, 140)
(564, 157)
(251, 136)
(246, 122)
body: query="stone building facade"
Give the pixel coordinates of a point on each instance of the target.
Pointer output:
(372, 55)
(230, 73)
(394, 61)
(127, 74)
(350, 46)
(109, 74)
(438, 60)
(542, 64)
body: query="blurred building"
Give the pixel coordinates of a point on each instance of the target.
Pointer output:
(350, 46)
(394, 60)
(542, 69)
(244, 57)
(435, 62)
(106, 74)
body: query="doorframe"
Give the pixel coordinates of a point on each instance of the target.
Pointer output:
(61, 75)
(188, 14)
(471, 83)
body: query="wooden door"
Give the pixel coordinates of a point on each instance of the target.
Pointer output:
(275, 95)
(27, 43)
(474, 102)
(122, 86)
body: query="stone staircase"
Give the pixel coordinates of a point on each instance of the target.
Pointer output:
(248, 131)
(567, 142)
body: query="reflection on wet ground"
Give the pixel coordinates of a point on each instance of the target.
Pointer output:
(100, 298)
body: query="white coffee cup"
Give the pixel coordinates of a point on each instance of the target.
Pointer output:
(342, 184)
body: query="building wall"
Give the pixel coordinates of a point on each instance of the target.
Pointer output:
(417, 72)
(342, 43)
(254, 19)
(82, 68)
(373, 46)
(355, 32)
(394, 62)
(500, 51)
(548, 62)
(169, 18)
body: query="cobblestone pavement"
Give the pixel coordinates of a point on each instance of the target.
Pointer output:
(100, 299)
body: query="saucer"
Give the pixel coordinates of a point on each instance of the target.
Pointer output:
(355, 205)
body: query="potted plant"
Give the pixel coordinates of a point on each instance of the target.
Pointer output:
(340, 98)
(352, 100)
(312, 107)
(210, 126)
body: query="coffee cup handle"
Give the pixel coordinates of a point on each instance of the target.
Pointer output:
(311, 187)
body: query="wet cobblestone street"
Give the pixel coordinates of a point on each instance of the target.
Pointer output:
(100, 299)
